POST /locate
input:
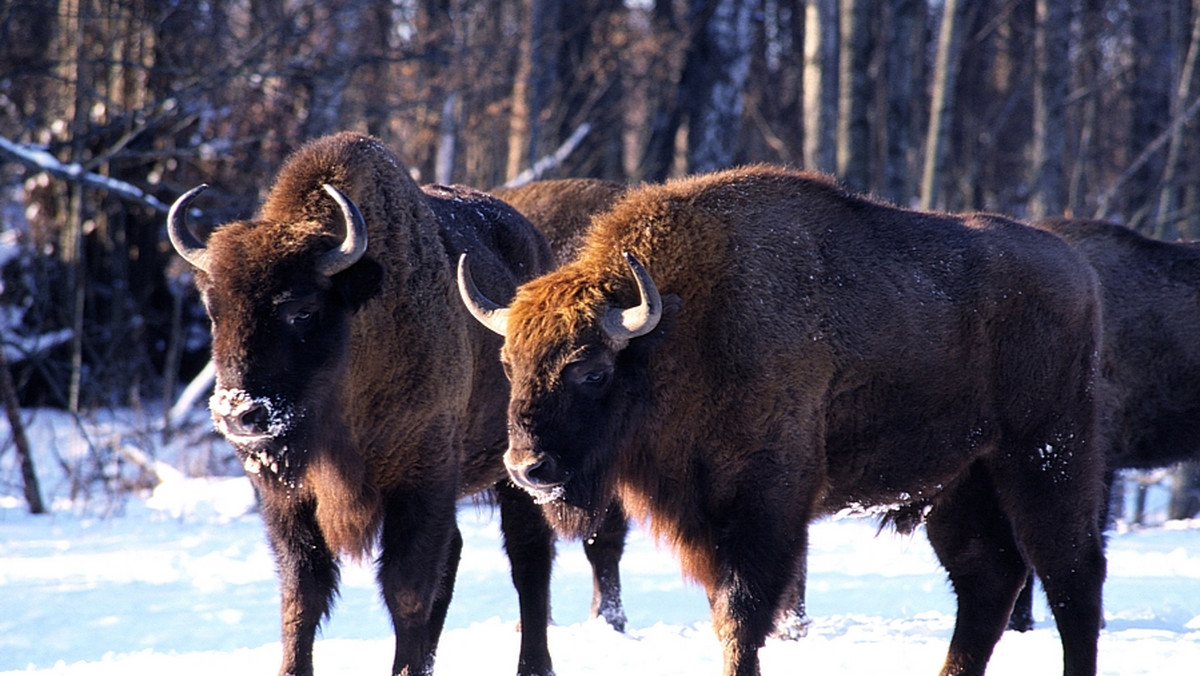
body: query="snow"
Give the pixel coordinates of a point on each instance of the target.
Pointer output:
(180, 580)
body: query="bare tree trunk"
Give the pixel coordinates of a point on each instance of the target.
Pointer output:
(1150, 96)
(72, 236)
(906, 28)
(854, 95)
(820, 85)
(714, 78)
(1051, 38)
(942, 105)
(519, 125)
(12, 406)
(333, 66)
(1168, 199)
(1088, 72)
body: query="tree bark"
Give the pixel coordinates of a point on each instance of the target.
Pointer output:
(820, 85)
(714, 78)
(906, 27)
(942, 104)
(1051, 43)
(854, 95)
(1169, 203)
(12, 406)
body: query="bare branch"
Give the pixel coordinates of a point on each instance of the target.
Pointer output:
(1155, 145)
(550, 161)
(40, 160)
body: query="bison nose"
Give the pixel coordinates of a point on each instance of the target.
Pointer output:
(253, 420)
(536, 475)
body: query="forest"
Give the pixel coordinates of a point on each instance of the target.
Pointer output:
(110, 109)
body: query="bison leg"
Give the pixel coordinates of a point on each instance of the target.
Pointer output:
(529, 542)
(974, 541)
(753, 567)
(604, 550)
(1022, 614)
(308, 577)
(420, 546)
(1057, 524)
(793, 621)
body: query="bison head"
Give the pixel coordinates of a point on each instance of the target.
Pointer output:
(280, 295)
(577, 367)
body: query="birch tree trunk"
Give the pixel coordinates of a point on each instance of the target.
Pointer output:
(820, 85)
(945, 70)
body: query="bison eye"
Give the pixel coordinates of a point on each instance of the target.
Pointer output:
(591, 376)
(595, 378)
(300, 318)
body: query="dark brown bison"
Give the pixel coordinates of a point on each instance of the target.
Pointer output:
(1150, 361)
(361, 397)
(562, 210)
(790, 350)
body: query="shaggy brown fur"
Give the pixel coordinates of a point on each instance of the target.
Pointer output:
(1150, 362)
(562, 208)
(366, 402)
(820, 352)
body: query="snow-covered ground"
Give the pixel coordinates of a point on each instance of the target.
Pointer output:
(181, 582)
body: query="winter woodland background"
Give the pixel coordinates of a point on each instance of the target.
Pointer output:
(109, 109)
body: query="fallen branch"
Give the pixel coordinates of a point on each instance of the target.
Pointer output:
(552, 160)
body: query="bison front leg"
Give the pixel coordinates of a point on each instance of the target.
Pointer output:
(529, 542)
(604, 549)
(753, 566)
(308, 577)
(420, 547)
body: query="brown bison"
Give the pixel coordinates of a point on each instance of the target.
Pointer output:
(562, 210)
(361, 397)
(1150, 362)
(789, 350)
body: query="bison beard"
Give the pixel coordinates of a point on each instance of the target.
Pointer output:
(828, 353)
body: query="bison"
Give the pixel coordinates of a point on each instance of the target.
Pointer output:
(562, 209)
(1150, 361)
(359, 394)
(735, 354)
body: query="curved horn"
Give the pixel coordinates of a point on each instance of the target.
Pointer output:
(186, 243)
(625, 325)
(355, 244)
(491, 315)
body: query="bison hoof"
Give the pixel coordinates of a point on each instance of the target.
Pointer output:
(1021, 621)
(792, 626)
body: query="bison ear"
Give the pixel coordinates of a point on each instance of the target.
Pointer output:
(643, 345)
(359, 283)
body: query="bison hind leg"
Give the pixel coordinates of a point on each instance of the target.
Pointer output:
(974, 541)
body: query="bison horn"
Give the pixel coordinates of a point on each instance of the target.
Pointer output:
(186, 243)
(625, 325)
(491, 315)
(355, 244)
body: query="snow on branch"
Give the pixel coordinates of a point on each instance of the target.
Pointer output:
(551, 161)
(39, 159)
